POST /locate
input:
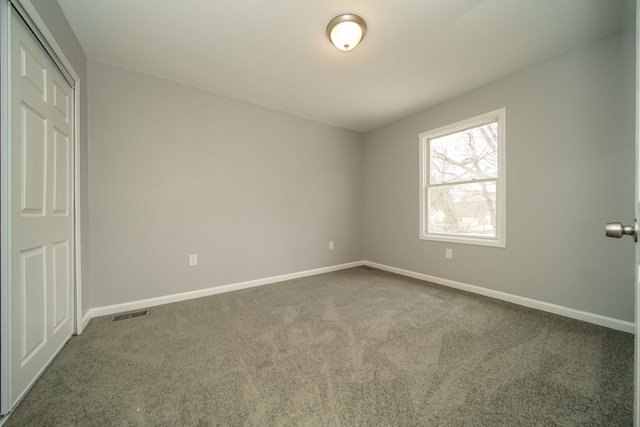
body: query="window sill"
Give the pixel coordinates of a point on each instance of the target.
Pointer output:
(477, 241)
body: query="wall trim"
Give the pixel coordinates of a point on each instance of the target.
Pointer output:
(151, 302)
(85, 321)
(609, 322)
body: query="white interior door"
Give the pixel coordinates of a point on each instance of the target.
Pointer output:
(41, 212)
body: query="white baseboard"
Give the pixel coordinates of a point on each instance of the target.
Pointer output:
(84, 322)
(151, 302)
(596, 319)
(620, 325)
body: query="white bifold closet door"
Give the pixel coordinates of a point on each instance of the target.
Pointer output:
(41, 210)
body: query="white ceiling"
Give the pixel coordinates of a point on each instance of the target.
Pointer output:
(275, 53)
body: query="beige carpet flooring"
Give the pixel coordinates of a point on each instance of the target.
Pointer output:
(350, 348)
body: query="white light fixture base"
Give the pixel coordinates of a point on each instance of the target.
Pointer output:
(346, 31)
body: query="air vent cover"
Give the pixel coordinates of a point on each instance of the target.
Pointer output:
(130, 315)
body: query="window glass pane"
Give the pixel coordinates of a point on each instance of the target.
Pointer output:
(465, 209)
(466, 155)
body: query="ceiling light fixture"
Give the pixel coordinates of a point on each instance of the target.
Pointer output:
(346, 31)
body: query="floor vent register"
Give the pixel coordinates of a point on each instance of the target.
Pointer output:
(130, 315)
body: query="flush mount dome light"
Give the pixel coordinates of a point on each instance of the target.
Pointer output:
(346, 31)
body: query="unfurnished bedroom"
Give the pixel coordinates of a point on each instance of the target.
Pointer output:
(318, 213)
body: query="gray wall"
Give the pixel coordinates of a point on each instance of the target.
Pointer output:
(175, 170)
(570, 169)
(56, 22)
(257, 193)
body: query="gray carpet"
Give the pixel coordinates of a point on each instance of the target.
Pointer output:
(354, 347)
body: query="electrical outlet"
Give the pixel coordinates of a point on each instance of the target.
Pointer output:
(193, 260)
(331, 244)
(448, 253)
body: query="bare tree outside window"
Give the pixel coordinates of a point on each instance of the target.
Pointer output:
(463, 170)
(462, 181)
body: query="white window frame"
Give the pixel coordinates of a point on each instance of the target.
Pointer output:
(500, 241)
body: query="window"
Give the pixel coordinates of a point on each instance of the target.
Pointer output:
(462, 182)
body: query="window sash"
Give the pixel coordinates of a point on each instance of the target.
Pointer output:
(490, 231)
(470, 181)
(496, 180)
(490, 170)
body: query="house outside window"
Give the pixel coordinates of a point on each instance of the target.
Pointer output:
(462, 181)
